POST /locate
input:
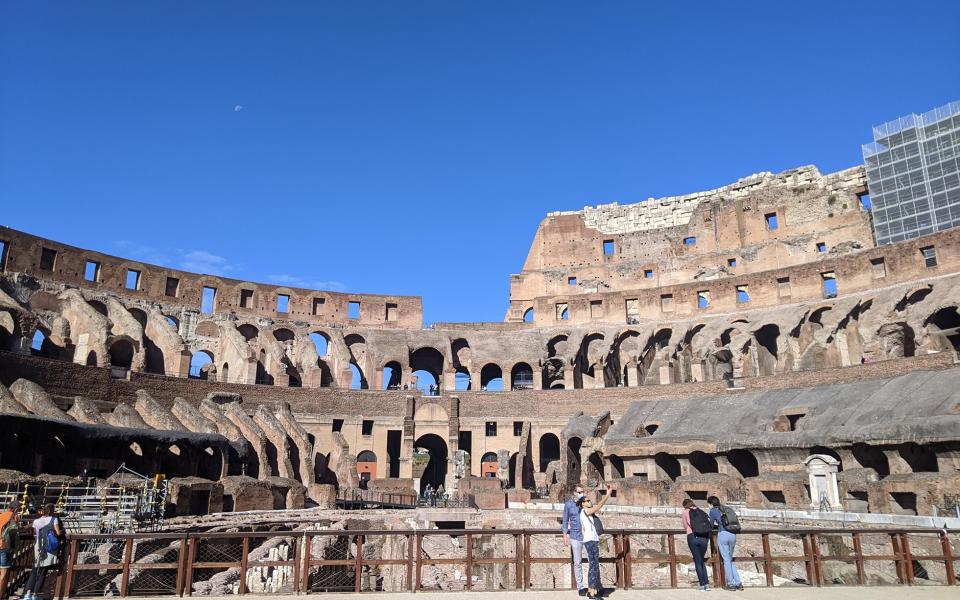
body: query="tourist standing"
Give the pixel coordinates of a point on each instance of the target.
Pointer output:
(728, 526)
(697, 524)
(49, 534)
(573, 536)
(9, 535)
(591, 528)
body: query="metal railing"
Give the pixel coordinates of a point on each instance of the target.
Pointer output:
(299, 562)
(352, 498)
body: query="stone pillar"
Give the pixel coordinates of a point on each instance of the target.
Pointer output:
(449, 383)
(664, 374)
(685, 467)
(898, 466)
(568, 376)
(822, 470)
(406, 445)
(724, 467)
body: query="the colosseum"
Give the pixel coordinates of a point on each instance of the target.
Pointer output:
(713, 343)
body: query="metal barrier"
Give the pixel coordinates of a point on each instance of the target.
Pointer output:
(300, 562)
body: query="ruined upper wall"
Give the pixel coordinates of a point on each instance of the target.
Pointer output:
(727, 226)
(23, 253)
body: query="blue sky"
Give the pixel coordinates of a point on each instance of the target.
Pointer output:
(413, 147)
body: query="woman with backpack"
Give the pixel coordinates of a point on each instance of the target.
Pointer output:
(697, 524)
(728, 526)
(48, 533)
(591, 528)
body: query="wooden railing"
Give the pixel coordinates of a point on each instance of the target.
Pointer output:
(301, 562)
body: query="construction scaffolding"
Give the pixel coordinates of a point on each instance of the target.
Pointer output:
(125, 502)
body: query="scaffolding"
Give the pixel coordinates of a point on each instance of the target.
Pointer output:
(125, 502)
(913, 174)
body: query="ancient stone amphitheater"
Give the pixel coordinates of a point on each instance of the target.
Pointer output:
(707, 343)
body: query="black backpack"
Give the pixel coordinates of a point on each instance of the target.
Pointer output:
(700, 523)
(730, 521)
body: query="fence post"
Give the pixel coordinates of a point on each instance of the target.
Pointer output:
(358, 563)
(181, 566)
(817, 559)
(409, 562)
(948, 556)
(125, 577)
(469, 567)
(191, 558)
(907, 557)
(716, 565)
(898, 557)
(627, 562)
(419, 567)
(672, 547)
(518, 561)
(618, 558)
(244, 554)
(296, 564)
(67, 588)
(858, 555)
(305, 575)
(767, 558)
(808, 560)
(526, 561)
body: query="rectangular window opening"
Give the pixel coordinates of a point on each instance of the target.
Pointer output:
(878, 268)
(865, 202)
(743, 294)
(283, 303)
(353, 310)
(91, 271)
(596, 309)
(246, 298)
(133, 279)
(366, 427)
(491, 429)
(666, 302)
(648, 273)
(173, 287)
(609, 247)
(829, 284)
(318, 306)
(633, 311)
(562, 313)
(517, 428)
(929, 254)
(783, 287)
(48, 259)
(703, 299)
(391, 312)
(689, 241)
(771, 219)
(794, 419)
(571, 281)
(822, 247)
(337, 425)
(731, 262)
(207, 297)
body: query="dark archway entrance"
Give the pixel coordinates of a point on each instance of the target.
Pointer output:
(435, 473)
(549, 450)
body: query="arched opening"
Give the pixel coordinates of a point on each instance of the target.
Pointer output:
(767, 351)
(210, 464)
(283, 335)
(744, 462)
(528, 315)
(427, 364)
(589, 359)
(357, 380)
(616, 467)
(42, 345)
(172, 321)
(491, 378)
(920, 458)
(897, 340)
(225, 373)
(489, 465)
(321, 342)
(392, 372)
(829, 452)
(249, 332)
(153, 357)
(667, 465)
(98, 306)
(573, 459)
(366, 467)
(139, 316)
(121, 354)
(92, 359)
(263, 377)
(871, 457)
(326, 376)
(549, 450)
(461, 380)
(293, 377)
(704, 463)
(435, 473)
(521, 377)
(200, 364)
(553, 374)
(945, 325)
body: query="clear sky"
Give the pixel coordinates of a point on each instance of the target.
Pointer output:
(413, 147)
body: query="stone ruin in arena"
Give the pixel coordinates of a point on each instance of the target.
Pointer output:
(742, 341)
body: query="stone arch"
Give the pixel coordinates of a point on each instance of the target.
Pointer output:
(392, 379)
(283, 334)
(321, 343)
(263, 377)
(528, 315)
(871, 457)
(828, 452)
(521, 377)
(435, 471)
(767, 350)
(225, 373)
(667, 465)
(703, 463)
(429, 360)
(121, 353)
(549, 447)
(944, 327)
(573, 459)
(491, 373)
(897, 340)
(744, 462)
(92, 359)
(921, 458)
(589, 362)
(202, 364)
(553, 369)
(617, 468)
(249, 332)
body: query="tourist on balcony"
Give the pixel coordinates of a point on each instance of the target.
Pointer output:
(573, 535)
(46, 528)
(698, 527)
(727, 524)
(9, 521)
(591, 529)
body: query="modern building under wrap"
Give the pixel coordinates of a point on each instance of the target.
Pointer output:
(913, 173)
